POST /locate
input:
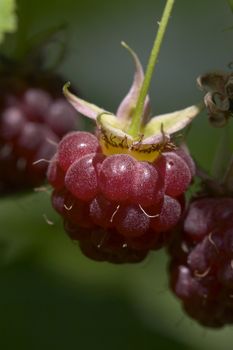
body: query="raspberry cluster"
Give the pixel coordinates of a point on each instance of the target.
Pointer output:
(117, 207)
(201, 269)
(33, 118)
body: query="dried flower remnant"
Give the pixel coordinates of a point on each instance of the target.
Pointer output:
(219, 96)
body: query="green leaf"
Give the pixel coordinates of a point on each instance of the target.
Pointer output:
(8, 20)
(231, 4)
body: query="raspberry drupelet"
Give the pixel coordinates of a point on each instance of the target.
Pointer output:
(34, 116)
(119, 191)
(201, 267)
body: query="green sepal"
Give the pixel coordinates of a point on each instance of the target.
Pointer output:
(170, 123)
(128, 104)
(88, 109)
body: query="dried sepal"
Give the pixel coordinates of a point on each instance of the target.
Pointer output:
(214, 81)
(218, 108)
(219, 97)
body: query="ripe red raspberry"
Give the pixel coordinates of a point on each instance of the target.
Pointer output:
(117, 207)
(33, 117)
(201, 268)
(122, 191)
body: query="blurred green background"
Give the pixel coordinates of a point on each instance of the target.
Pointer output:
(50, 295)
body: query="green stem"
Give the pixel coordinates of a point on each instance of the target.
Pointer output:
(134, 128)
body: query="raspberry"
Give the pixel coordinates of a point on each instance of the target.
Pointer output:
(116, 206)
(201, 268)
(34, 116)
(128, 180)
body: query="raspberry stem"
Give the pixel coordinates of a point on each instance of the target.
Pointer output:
(135, 125)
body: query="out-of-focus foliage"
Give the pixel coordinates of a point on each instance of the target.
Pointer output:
(231, 4)
(8, 20)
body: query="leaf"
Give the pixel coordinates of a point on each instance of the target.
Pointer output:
(231, 4)
(8, 20)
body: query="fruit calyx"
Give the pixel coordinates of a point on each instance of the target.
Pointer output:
(128, 131)
(113, 130)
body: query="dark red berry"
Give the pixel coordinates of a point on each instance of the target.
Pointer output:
(201, 268)
(12, 122)
(120, 200)
(32, 121)
(60, 117)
